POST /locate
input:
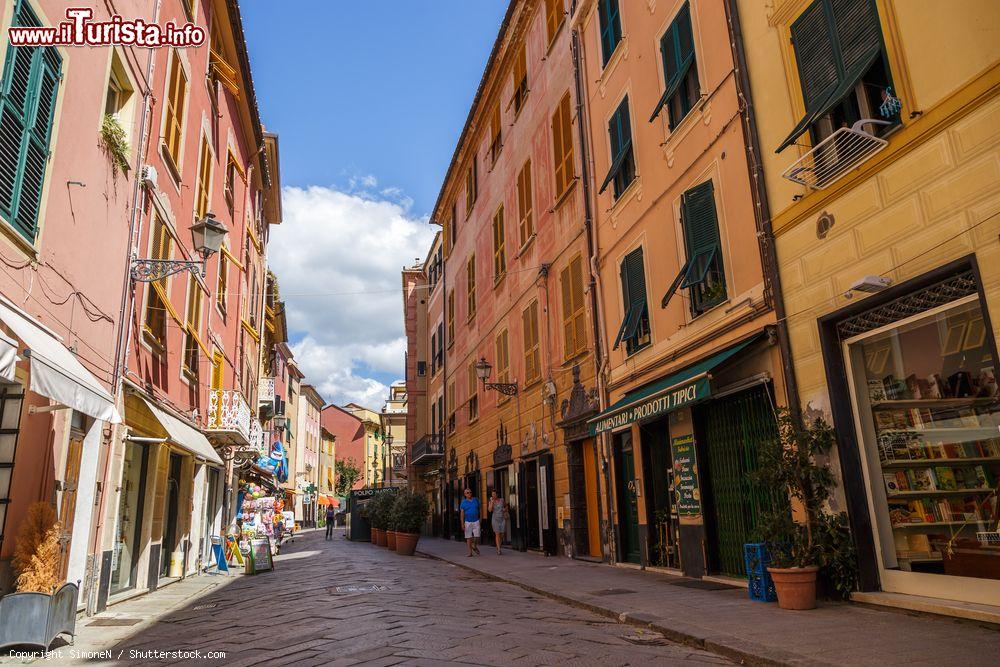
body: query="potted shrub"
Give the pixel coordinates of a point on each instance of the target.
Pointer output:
(381, 506)
(374, 519)
(409, 514)
(791, 465)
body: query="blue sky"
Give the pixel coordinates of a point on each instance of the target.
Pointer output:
(368, 99)
(377, 88)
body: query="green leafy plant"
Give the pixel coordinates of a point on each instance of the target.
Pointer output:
(347, 473)
(409, 512)
(788, 464)
(380, 511)
(838, 558)
(115, 143)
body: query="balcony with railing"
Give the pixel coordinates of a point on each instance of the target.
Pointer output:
(229, 418)
(428, 449)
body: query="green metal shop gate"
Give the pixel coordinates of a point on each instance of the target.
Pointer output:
(730, 430)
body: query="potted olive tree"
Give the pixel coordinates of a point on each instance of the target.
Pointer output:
(790, 464)
(409, 514)
(376, 518)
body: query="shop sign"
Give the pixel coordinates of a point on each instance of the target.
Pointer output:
(260, 555)
(653, 406)
(687, 494)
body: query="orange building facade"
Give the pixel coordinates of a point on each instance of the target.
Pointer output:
(691, 369)
(511, 293)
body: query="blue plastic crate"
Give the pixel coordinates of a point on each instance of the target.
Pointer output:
(756, 560)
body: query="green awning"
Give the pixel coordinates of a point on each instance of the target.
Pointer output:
(677, 390)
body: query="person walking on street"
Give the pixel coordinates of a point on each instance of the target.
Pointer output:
(498, 509)
(330, 514)
(469, 510)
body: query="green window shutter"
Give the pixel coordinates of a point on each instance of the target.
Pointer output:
(701, 226)
(815, 54)
(836, 42)
(633, 277)
(859, 35)
(620, 133)
(30, 84)
(611, 28)
(701, 232)
(677, 52)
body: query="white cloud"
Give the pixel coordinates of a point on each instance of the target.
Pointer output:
(338, 256)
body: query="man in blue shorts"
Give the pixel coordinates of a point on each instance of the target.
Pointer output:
(470, 520)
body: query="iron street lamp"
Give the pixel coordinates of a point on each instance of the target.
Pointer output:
(207, 235)
(483, 370)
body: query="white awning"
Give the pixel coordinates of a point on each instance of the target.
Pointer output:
(8, 357)
(56, 373)
(184, 435)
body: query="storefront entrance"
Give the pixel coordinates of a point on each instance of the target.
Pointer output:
(656, 476)
(926, 407)
(628, 504)
(729, 431)
(533, 536)
(128, 524)
(171, 515)
(584, 520)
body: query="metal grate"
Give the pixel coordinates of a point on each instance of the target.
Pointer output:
(833, 157)
(908, 305)
(734, 427)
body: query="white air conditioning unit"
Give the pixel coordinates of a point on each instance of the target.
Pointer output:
(831, 159)
(149, 176)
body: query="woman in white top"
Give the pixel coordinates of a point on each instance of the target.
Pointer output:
(498, 508)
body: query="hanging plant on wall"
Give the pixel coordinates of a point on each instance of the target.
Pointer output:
(115, 143)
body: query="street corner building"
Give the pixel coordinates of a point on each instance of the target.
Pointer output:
(137, 189)
(664, 223)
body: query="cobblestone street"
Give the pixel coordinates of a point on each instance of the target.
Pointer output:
(427, 612)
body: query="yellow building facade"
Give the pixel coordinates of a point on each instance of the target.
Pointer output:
(885, 209)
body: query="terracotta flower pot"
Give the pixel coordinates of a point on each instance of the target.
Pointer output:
(796, 586)
(391, 539)
(379, 537)
(406, 543)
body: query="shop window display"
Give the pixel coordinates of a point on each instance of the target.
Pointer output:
(929, 409)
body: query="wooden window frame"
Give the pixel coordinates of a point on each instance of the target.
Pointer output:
(499, 246)
(473, 402)
(574, 311)
(470, 279)
(525, 204)
(532, 355)
(562, 147)
(174, 113)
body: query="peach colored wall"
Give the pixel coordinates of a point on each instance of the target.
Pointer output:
(707, 144)
(559, 237)
(228, 129)
(79, 256)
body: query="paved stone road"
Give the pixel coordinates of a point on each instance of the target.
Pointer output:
(429, 612)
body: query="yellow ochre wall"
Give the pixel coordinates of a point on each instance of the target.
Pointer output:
(929, 197)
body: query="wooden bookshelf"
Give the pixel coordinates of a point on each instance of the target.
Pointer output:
(931, 463)
(906, 403)
(937, 492)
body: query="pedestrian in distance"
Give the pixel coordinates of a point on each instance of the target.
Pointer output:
(498, 511)
(330, 514)
(469, 510)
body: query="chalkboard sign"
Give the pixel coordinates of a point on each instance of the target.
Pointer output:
(260, 556)
(686, 488)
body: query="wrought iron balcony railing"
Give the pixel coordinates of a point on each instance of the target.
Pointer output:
(428, 449)
(229, 418)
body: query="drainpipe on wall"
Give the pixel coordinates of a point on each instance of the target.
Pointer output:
(762, 211)
(592, 252)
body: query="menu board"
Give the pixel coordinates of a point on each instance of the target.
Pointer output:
(260, 555)
(687, 495)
